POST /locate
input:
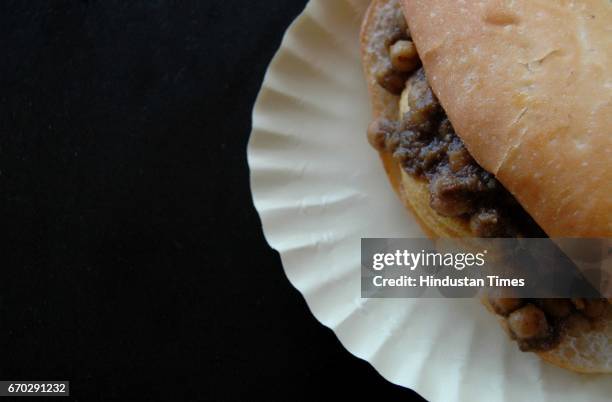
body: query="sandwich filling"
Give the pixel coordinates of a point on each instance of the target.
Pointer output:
(424, 143)
(422, 140)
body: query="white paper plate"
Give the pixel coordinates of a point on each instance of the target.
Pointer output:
(319, 188)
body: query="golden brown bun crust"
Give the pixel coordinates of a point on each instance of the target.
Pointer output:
(583, 349)
(528, 87)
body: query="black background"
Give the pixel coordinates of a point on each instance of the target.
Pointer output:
(133, 262)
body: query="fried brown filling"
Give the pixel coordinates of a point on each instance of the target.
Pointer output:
(426, 145)
(424, 142)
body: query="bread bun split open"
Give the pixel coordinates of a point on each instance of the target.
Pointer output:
(527, 86)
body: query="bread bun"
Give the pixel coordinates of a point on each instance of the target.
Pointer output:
(583, 348)
(585, 345)
(528, 88)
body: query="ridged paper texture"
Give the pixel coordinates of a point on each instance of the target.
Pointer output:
(320, 188)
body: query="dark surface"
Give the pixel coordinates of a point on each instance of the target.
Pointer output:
(133, 262)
